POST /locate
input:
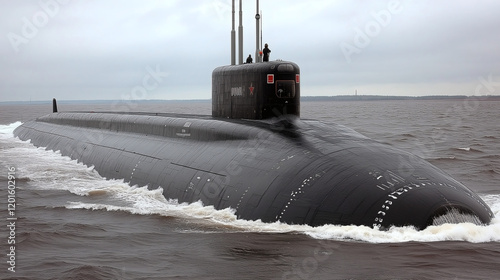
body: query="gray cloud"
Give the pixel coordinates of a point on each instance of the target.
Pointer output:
(77, 49)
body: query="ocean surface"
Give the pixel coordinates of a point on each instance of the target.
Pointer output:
(70, 223)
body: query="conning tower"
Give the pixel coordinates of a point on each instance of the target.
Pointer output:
(259, 90)
(256, 91)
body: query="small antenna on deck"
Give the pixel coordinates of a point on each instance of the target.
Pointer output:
(54, 105)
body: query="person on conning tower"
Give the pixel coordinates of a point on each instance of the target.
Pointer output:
(249, 59)
(266, 52)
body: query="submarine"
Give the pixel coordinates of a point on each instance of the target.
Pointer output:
(255, 155)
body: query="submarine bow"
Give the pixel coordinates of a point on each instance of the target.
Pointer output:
(283, 169)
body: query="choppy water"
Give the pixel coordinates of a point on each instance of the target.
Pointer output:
(73, 224)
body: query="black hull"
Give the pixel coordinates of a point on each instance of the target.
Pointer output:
(293, 171)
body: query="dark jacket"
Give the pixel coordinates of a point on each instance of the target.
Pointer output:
(266, 52)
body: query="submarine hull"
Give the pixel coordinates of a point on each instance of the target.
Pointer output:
(288, 170)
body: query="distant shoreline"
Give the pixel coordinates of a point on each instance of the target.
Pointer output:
(303, 99)
(389, 98)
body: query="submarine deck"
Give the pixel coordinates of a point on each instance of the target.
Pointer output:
(283, 169)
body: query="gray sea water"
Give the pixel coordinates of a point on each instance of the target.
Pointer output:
(73, 224)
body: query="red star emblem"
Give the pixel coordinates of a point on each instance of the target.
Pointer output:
(251, 88)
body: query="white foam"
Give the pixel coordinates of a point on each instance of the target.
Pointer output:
(50, 170)
(7, 131)
(458, 232)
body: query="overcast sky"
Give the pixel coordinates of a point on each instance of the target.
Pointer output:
(129, 49)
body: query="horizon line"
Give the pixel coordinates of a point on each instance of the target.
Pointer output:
(364, 97)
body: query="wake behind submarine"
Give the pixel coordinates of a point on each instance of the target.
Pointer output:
(256, 156)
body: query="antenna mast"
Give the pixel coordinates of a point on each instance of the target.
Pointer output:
(261, 20)
(258, 58)
(240, 36)
(233, 42)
